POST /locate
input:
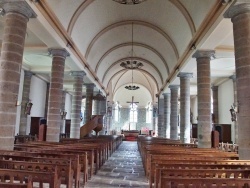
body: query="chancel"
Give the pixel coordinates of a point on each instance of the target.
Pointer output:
(124, 93)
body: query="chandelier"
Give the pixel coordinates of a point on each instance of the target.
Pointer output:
(129, 2)
(131, 87)
(131, 64)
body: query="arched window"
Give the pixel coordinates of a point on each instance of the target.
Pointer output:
(133, 114)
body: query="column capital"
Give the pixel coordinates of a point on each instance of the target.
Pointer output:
(77, 73)
(203, 53)
(28, 73)
(239, 7)
(233, 77)
(185, 75)
(18, 6)
(90, 85)
(215, 88)
(174, 87)
(166, 94)
(62, 52)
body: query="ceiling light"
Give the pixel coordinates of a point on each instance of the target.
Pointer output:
(129, 2)
(131, 64)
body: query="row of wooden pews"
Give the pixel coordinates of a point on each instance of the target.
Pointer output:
(170, 164)
(54, 164)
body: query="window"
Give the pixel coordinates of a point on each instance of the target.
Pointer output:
(149, 115)
(133, 114)
(117, 112)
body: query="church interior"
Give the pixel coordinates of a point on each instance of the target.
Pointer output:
(124, 93)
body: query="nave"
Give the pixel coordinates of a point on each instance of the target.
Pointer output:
(123, 169)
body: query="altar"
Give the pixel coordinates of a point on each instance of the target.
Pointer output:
(130, 135)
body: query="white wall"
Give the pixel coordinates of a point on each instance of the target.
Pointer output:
(38, 89)
(225, 100)
(68, 104)
(19, 99)
(194, 108)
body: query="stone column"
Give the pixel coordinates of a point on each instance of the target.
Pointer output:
(62, 127)
(17, 15)
(240, 16)
(166, 117)
(235, 128)
(76, 104)
(161, 130)
(88, 103)
(174, 112)
(55, 94)
(185, 106)
(204, 97)
(97, 102)
(25, 99)
(215, 105)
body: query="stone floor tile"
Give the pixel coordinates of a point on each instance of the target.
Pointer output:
(123, 169)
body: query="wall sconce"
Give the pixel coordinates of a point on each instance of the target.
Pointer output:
(28, 107)
(63, 114)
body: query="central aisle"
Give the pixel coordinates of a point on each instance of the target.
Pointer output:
(123, 169)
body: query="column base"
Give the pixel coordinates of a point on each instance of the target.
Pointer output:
(244, 153)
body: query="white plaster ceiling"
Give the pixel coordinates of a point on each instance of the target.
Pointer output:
(98, 35)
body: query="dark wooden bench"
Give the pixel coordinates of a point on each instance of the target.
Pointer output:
(64, 171)
(23, 176)
(200, 173)
(174, 182)
(50, 159)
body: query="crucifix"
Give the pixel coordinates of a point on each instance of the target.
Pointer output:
(132, 104)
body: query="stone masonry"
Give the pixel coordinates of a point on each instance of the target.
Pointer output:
(17, 15)
(55, 94)
(204, 97)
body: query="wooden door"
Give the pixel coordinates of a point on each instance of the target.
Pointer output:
(67, 128)
(34, 126)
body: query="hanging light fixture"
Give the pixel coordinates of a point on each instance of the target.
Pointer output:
(131, 64)
(129, 2)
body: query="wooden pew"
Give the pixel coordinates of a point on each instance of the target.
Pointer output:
(51, 159)
(200, 173)
(18, 183)
(64, 171)
(21, 176)
(166, 167)
(174, 182)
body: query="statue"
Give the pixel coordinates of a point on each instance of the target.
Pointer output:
(233, 112)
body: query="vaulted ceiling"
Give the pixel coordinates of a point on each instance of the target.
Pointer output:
(98, 35)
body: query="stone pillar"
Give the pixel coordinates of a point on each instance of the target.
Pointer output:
(204, 97)
(97, 103)
(88, 103)
(76, 104)
(17, 14)
(25, 99)
(62, 111)
(185, 106)
(161, 130)
(235, 128)
(215, 104)
(166, 117)
(240, 16)
(55, 94)
(174, 112)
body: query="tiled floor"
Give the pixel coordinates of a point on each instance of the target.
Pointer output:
(123, 169)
